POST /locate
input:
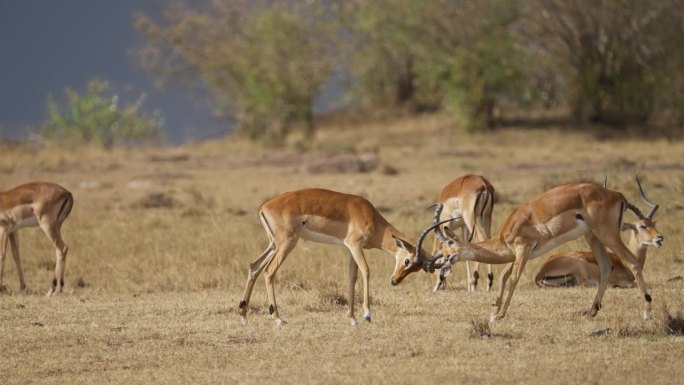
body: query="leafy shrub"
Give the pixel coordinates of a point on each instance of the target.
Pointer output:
(97, 117)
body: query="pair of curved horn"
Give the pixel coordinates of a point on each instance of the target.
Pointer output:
(654, 206)
(436, 223)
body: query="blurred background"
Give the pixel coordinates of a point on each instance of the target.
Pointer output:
(171, 122)
(168, 72)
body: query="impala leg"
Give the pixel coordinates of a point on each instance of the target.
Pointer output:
(471, 280)
(360, 259)
(4, 239)
(14, 243)
(353, 274)
(630, 261)
(522, 253)
(604, 268)
(503, 279)
(52, 231)
(442, 275)
(284, 248)
(613, 241)
(440, 282)
(486, 227)
(255, 268)
(490, 278)
(638, 274)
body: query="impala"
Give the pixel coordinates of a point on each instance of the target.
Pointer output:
(581, 267)
(469, 200)
(331, 217)
(561, 214)
(46, 205)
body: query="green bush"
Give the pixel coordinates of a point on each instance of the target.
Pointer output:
(436, 55)
(97, 117)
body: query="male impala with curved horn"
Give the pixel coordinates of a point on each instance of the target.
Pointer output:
(581, 267)
(326, 216)
(46, 205)
(561, 214)
(469, 200)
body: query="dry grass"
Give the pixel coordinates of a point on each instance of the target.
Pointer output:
(160, 242)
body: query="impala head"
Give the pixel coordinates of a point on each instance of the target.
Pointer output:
(644, 230)
(407, 260)
(411, 259)
(454, 249)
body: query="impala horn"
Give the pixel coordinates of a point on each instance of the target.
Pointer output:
(428, 264)
(438, 212)
(654, 207)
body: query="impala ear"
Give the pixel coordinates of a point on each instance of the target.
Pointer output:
(628, 226)
(399, 242)
(449, 233)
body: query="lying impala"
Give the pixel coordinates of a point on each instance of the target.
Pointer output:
(561, 214)
(469, 200)
(326, 216)
(581, 267)
(46, 205)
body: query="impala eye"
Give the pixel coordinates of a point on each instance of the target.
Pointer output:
(643, 227)
(450, 243)
(407, 262)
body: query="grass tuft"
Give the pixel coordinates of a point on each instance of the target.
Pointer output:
(479, 328)
(156, 200)
(672, 324)
(329, 295)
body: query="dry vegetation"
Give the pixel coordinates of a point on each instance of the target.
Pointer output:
(160, 242)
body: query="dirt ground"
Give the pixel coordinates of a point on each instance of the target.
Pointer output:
(160, 241)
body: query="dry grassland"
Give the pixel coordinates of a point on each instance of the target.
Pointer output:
(160, 242)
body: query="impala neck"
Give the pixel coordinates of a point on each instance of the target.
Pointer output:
(637, 248)
(491, 251)
(386, 241)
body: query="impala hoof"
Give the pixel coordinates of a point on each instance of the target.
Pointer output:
(243, 321)
(353, 321)
(493, 318)
(438, 287)
(280, 323)
(589, 314)
(367, 316)
(647, 315)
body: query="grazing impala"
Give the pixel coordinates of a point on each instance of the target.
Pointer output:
(326, 216)
(469, 200)
(581, 267)
(46, 205)
(561, 214)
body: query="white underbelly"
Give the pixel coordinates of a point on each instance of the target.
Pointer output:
(552, 243)
(28, 222)
(314, 236)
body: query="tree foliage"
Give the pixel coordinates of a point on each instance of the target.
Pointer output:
(437, 54)
(263, 62)
(98, 117)
(623, 58)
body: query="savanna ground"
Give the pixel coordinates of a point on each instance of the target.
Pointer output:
(160, 242)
